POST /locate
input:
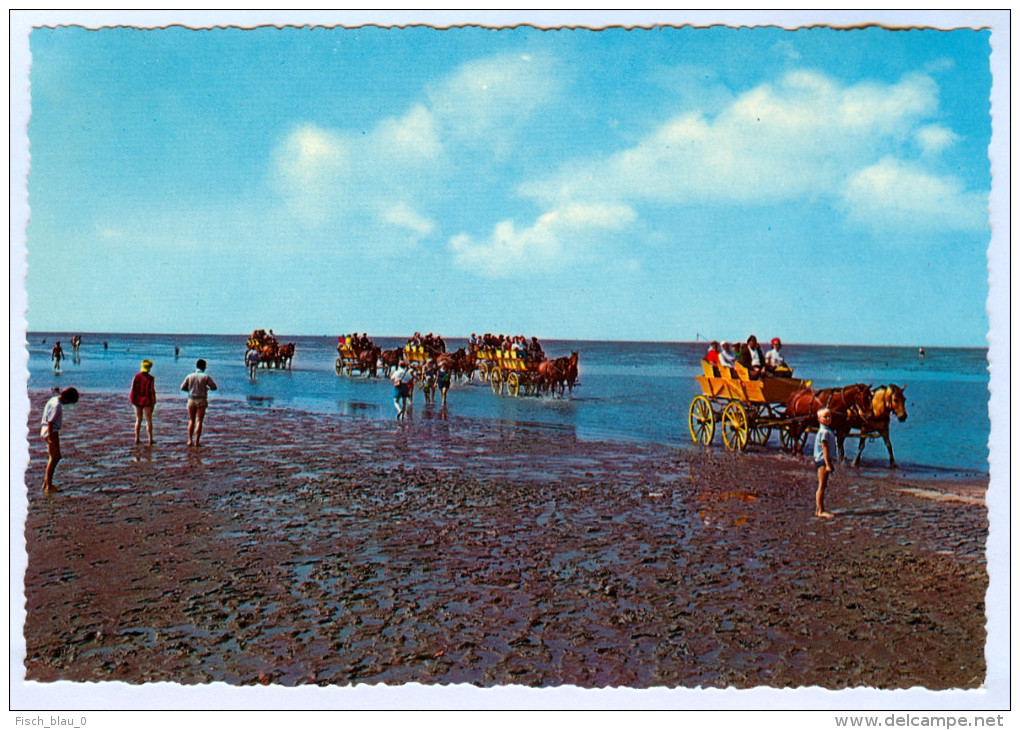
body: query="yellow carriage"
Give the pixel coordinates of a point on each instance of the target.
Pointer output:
(347, 359)
(509, 371)
(746, 410)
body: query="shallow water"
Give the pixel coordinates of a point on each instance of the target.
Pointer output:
(627, 391)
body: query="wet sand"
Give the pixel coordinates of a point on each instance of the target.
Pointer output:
(300, 549)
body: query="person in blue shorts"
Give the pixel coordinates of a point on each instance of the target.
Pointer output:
(402, 378)
(443, 379)
(825, 450)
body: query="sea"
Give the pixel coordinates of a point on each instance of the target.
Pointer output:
(627, 391)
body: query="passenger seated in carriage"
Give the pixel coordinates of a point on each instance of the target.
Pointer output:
(712, 356)
(752, 358)
(774, 363)
(535, 350)
(726, 357)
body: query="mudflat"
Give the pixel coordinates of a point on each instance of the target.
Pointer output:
(292, 548)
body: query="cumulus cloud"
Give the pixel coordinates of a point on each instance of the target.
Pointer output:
(934, 138)
(554, 241)
(402, 215)
(775, 142)
(410, 140)
(892, 194)
(310, 167)
(484, 102)
(800, 138)
(328, 177)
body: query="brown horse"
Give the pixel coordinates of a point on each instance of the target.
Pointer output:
(460, 363)
(885, 401)
(390, 359)
(368, 361)
(558, 373)
(285, 356)
(849, 404)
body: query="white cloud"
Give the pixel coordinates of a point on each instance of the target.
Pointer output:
(332, 177)
(410, 140)
(555, 240)
(801, 138)
(485, 100)
(798, 137)
(403, 216)
(310, 167)
(899, 195)
(933, 138)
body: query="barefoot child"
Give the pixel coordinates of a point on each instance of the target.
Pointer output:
(825, 449)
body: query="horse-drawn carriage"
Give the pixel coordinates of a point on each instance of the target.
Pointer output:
(749, 410)
(265, 350)
(510, 371)
(514, 373)
(360, 355)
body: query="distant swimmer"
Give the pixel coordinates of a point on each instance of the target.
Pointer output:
(920, 353)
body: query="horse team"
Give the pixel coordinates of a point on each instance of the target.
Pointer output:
(855, 407)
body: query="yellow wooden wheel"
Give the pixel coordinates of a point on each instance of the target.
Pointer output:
(513, 384)
(339, 366)
(735, 428)
(701, 420)
(496, 380)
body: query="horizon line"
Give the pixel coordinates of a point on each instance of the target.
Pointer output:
(70, 333)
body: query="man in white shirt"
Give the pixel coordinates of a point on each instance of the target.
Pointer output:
(402, 378)
(198, 385)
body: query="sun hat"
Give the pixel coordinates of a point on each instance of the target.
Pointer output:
(775, 341)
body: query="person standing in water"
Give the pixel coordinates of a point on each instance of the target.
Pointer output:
(56, 355)
(402, 379)
(143, 398)
(52, 422)
(443, 379)
(198, 385)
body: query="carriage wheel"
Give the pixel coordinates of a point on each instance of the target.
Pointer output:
(513, 384)
(483, 371)
(701, 420)
(734, 427)
(791, 443)
(339, 366)
(496, 381)
(350, 368)
(758, 433)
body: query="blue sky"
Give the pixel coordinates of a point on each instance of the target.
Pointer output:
(651, 184)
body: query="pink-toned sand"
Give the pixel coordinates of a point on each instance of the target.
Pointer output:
(294, 549)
